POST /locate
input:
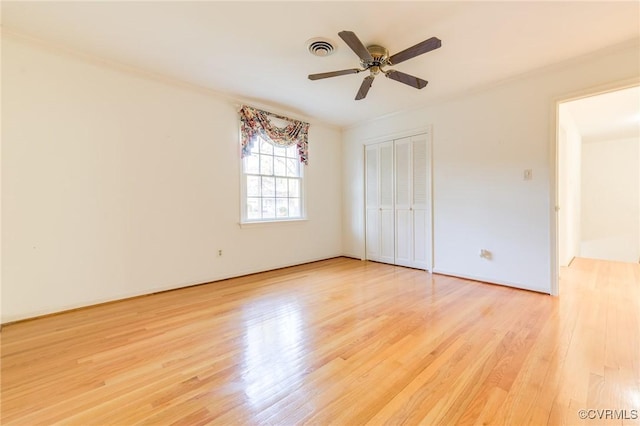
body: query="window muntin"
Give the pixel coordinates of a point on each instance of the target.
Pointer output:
(272, 183)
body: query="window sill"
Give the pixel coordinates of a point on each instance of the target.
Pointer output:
(263, 223)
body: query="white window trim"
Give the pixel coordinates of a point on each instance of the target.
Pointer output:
(281, 222)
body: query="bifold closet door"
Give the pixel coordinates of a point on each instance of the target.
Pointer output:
(411, 201)
(403, 206)
(380, 233)
(420, 198)
(397, 202)
(372, 196)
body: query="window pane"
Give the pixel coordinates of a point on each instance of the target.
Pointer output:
(282, 207)
(253, 186)
(268, 208)
(266, 165)
(265, 147)
(253, 208)
(292, 167)
(279, 166)
(292, 151)
(279, 150)
(255, 148)
(294, 188)
(268, 187)
(251, 164)
(282, 187)
(294, 207)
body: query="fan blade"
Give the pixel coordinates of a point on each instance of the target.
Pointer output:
(356, 45)
(413, 51)
(364, 87)
(407, 79)
(333, 73)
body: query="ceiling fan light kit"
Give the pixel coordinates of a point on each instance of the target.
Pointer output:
(375, 58)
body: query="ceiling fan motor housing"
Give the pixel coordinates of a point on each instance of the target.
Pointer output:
(379, 55)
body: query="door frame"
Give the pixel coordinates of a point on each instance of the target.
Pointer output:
(430, 210)
(554, 151)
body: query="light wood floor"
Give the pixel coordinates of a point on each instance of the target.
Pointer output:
(336, 342)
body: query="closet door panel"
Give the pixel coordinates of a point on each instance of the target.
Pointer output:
(372, 196)
(421, 199)
(379, 233)
(387, 236)
(404, 226)
(386, 175)
(373, 234)
(404, 238)
(420, 252)
(371, 178)
(420, 167)
(403, 173)
(386, 179)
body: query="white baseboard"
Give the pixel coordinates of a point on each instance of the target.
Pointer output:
(492, 281)
(129, 295)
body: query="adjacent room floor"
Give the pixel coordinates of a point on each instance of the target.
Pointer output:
(339, 341)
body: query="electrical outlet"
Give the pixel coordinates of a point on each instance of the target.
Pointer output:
(485, 254)
(219, 253)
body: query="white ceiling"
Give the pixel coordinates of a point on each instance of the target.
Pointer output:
(612, 115)
(255, 51)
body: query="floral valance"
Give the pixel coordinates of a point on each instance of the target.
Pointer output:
(256, 122)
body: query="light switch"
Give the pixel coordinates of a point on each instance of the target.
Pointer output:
(528, 174)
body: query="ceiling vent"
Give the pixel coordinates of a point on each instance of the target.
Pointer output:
(320, 46)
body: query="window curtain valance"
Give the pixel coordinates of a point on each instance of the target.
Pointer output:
(256, 122)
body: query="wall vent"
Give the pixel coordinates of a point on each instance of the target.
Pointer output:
(320, 46)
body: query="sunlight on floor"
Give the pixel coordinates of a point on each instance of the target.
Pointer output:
(273, 347)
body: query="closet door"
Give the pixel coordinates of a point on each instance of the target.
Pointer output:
(398, 197)
(411, 201)
(372, 195)
(387, 231)
(403, 207)
(380, 234)
(421, 197)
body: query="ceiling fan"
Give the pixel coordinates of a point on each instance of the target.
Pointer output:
(374, 58)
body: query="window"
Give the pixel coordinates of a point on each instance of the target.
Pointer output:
(273, 151)
(272, 183)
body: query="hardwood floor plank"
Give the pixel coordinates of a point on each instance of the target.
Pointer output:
(335, 342)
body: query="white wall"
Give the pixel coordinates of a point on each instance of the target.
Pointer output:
(482, 143)
(569, 188)
(610, 201)
(115, 185)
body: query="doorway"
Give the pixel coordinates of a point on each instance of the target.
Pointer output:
(598, 177)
